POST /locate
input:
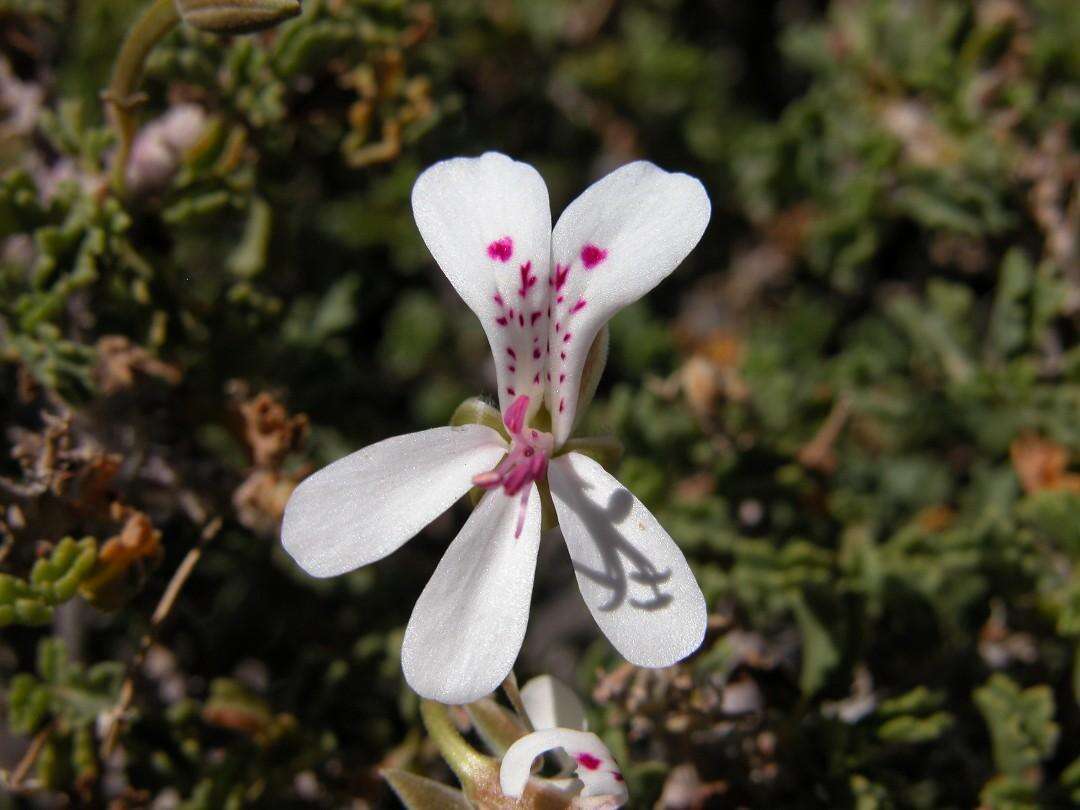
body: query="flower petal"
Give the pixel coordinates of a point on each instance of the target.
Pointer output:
(550, 703)
(635, 581)
(366, 505)
(468, 624)
(487, 222)
(613, 244)
(595, 766)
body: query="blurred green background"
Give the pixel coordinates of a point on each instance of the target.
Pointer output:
(856, 406)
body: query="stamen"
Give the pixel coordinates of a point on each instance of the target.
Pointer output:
(526, 462)
(514, 418)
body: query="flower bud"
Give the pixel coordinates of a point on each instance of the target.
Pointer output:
(236, 16)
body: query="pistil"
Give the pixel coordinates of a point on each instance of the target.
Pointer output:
(526, 462)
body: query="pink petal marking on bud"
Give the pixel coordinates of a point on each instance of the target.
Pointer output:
(588, 761)
(591, 256)
(501, 249)
(526, 462)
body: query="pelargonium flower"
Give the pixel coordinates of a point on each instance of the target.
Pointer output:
(558, 720)
(542, 295)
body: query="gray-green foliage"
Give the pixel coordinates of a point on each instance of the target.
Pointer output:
(855, 406)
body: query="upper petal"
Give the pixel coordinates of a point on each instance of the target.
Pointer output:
(594, 764)
(635, 580)
(612, 245)
(364, 506)
(467, 626)
(487, 222)
(550, 703)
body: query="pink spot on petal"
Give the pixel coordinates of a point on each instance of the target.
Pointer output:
(521, 319)
(511, 352)
(591, 256)
(501, 249)
(510, 391)
(566, 338)
(511, 369)
(618, 776)
(562, 405)
(501, 321)
(561, 273)
(562, 355)
(536, 354)
(534, 318)
(580, 305)
(498, 299)
(588, 761)
(527, 280)
(536, 378)
(562, 378)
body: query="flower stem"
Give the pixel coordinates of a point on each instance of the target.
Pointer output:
(160, 17)
(470, 766)
(513, 694)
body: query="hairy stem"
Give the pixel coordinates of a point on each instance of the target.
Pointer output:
(469, 765)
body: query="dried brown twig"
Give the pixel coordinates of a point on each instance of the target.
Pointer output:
(113, 720)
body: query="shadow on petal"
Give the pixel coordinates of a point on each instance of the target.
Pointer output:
(616, 550)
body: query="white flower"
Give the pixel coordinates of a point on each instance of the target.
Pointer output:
(160, 146)
(559, 719)
(542, 296)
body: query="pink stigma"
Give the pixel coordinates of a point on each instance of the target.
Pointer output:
(525, 463)
(591, 256)
(501, 249)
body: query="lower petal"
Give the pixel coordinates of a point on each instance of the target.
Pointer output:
(635, 580)
(366, 505)
(468, 624)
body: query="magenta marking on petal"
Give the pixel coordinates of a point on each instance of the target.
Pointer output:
(560, 299)
(562, 404)
(587, 760)
(534, 318)
(510, 312)
(510, 391)
(501, 321)
(558, 327)
(562, 379)
(521, 319)
(512, 369)
(566, 338)
(618, 776)
(527, 280)
(511, 352)
(498, 299)
(501, 249)
(536, 378)
(536, 354)
(591, 256)
(580, 305)
(561, 272)
(562, 355)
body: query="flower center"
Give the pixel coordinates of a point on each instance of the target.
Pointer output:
(526, 462)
